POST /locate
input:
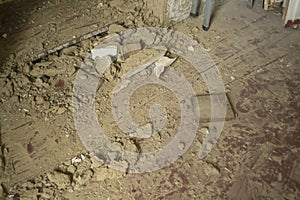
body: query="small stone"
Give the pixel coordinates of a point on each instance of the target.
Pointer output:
(39, 100)
(181, 146)
(61, 110)
(204, 130)
(195, 29)
(191, 48)
(76, 160)
(4, 35)
(26, 69)
(70, 51)
(59, 179)
(25, 110)
(259, 70)
(115, 28)
(38, 82)
(28, 185)
(71, 169)
(40, 184)
(99, 5)
(211, 171)
(46, 105)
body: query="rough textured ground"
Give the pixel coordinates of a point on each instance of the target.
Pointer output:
(257, 156)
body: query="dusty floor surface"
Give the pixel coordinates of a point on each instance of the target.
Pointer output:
(257, 155)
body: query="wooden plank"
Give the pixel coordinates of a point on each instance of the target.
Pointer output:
(204, 102)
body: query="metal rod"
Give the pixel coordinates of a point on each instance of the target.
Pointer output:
(195, 8)
(67, 44)
(207, 15)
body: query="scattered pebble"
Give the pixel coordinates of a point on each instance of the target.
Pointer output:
(4, 35)
(39, 100)
(26, 69)
(38, 82)
(259, 70)
(25, 110)
(191, 48)
(61, 110)
(78, 160)
(195, 29)
(204, 130)
(181, 146)
(211, 170)
(99, 5)
(207, 49)
(71, 169)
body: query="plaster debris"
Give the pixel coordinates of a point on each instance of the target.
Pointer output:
(161, 64)
(75, 160)
(115, 28)
(191, 48)
(106, 51)
(145, 131)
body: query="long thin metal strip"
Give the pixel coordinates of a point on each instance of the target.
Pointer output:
(70, 43)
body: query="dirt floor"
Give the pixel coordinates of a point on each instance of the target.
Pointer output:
(42, 157)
